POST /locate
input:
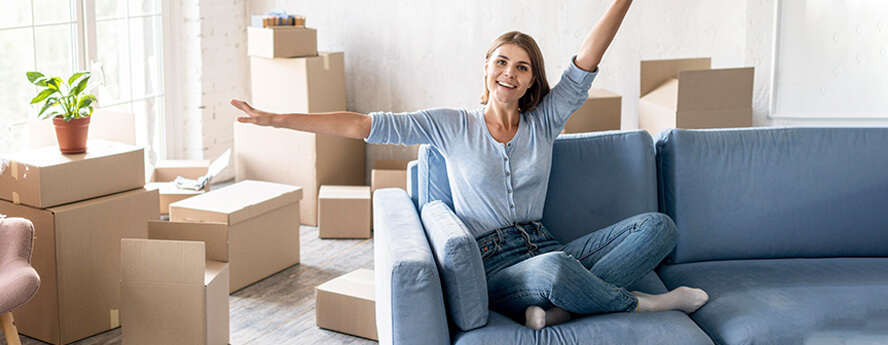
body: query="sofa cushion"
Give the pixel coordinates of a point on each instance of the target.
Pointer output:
(761, 193)
(460, 265)
(599, 179)
(672, 327)
(790, 301)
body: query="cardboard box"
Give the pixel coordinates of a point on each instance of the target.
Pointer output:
(282, 42)
(103, 125)
(687, 93)
(600, 112)
(168, 170)
(77, 255)
(347, 304)
(344, 212)
(301, 85)
(45, 177)
(389, 174)
(174, 285)
(262, 219)
(169, 194)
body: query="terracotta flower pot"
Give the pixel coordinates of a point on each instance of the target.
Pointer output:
(71, 134)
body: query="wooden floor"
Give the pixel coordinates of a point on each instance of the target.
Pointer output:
(281, 309)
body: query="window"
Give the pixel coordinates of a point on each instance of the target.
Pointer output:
(119, 41)
(831, 60)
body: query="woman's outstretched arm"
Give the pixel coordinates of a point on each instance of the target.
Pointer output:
(602, 34)
(343, 124)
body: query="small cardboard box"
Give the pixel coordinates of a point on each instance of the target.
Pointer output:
(169, 194)
(168, 170)
(389, 174)
(176, 282)
(262, 220)
(282, 42)
(103, 125)
(344, 212)
(45, 177)
(301, 85)
(687, 93)
(77, 255)
(600, 112)
(347, 304)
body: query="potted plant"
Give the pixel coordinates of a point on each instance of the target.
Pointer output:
(68, 106)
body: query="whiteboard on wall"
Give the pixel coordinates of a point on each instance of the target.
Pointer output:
(831, 59)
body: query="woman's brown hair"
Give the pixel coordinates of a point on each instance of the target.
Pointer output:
(540, 86)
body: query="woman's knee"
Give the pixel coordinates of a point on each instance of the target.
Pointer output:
(659, 226)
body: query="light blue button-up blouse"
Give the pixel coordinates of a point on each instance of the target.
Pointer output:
(494, 184)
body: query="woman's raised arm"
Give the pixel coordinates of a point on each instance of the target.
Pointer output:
(343, 124)
(602, 34)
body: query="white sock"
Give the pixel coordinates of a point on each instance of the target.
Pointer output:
(536, 318)
(682, 298)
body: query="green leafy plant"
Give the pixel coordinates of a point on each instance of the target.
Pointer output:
(67, 100)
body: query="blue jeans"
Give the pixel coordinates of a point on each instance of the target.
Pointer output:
(526, 266)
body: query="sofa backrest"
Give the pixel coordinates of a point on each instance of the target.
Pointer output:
(597, 179)
(760, 193)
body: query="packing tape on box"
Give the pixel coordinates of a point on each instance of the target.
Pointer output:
(326, 62)
(16, 198)
(13, 169)
(115, 318)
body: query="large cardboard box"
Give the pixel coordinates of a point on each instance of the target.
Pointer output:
(300, 85)
(262, 220)
(687, 93)
(45, 177)
(600, 112)
(347, 304)
(77, 255)
(103, 125)
(344, 212)
(174, 285)
(282, 41)
(389, 174)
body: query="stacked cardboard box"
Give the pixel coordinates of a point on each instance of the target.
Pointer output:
(81, 206)
(600, 112)
(687, 93)
(261, 222)
(284, 81)
(347, 304)
(174, 285)
(344, 212)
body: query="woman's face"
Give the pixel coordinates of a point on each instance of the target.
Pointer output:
(509, 74)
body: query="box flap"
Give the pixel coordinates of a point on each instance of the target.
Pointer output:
(235, 203)
(162, 261)
(168, 170)
(214, 235)
(665, 96)
(358, 284)
(213, 269)
(715, 89)
(656, 72)
(383, 164)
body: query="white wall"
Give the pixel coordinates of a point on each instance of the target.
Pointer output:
(405, 55)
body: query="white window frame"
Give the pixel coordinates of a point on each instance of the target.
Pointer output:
(772, 103)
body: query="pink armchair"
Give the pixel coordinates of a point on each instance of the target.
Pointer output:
(18, 280)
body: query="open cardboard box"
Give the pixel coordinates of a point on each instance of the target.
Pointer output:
(45, 177)
(165, 173)
(77, 255)
(687, 93)
(174, 285)
(347, 304)
(282, 41)
(262, 225)
(302, 85)
(600, 112)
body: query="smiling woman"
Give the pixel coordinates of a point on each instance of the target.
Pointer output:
(498, 162)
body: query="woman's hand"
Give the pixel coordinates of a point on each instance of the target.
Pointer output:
(602, 34)
(254, 116)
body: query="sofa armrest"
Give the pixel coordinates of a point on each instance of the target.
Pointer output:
(409, 299)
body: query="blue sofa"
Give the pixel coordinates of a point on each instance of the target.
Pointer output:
(786, 229)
